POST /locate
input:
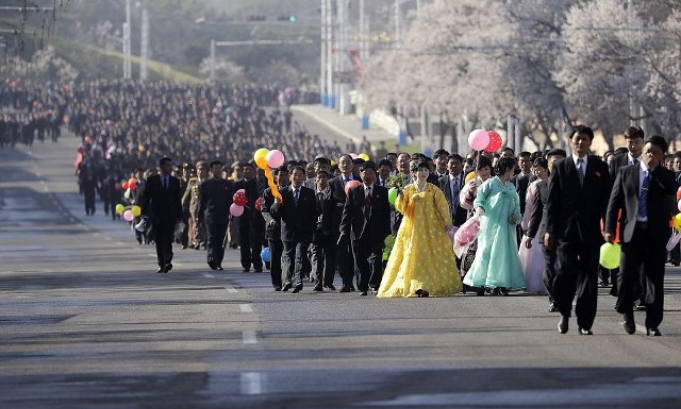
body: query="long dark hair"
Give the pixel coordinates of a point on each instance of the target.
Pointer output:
(504, 165)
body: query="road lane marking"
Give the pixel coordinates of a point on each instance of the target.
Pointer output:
(232, 290)
(245, 309)
(208, 275)
(251, 383)
(177, 264)
(120, 244)
(249, 337)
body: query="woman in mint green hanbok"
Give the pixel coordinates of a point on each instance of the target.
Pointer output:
(497, 266)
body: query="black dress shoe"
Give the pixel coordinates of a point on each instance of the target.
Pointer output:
(212, 266)
(318, 288)
(246, 270)
(258, 270)
(563, 324)
(629, 324)
(330, 287)
(503, 291)
(161, 270)
(286, 287)
(297, 289)
(345, 290)
(496, 291)
(653, 332)
(553, 308)
(277, 288)
(352, 288)
(363, 293)
(168, 267)
(421, 293)
(604, 284)
(219, 268)
(584, 331)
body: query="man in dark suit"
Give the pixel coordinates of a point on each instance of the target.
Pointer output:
(297, 210)
(162, 203)
(273, 229)
(645, 194)
(215, 198)
(366, 220)
(251, 223)
(451, 185)
(323, 246)
(522, 181)
(579, 190)
(635, 137)
(344, 262)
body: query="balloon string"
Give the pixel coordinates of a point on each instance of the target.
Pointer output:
(270, 182)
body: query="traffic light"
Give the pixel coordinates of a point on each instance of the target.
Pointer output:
(292, 18)
(251, 17)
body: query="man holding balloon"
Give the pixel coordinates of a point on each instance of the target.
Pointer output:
(644, 193)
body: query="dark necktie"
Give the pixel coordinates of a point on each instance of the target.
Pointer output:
(580, 171)
(367, 202)
(165, 182)
(635, 162)
(296, 196)
(643, 197)
(320, 199)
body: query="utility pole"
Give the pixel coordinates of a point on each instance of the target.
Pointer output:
(144, 46)
(397, 20)
(630, 15)
(127, 47)
(212, 61)
(341, 50)
(322, 75)
(331, 36)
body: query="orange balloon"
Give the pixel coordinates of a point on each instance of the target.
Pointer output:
(270, 182)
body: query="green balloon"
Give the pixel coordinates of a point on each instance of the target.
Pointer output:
(610, 255)
(392, 195)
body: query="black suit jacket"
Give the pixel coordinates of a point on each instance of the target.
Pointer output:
(354, 221)
(325, 210)
(538, 216)
(272, 232)
(215, 198)
(163, 206)
(521, 183)
(458, 213)
(625, 196)
(574, 212)
(339, 197)
(617, 163)
(298, 222)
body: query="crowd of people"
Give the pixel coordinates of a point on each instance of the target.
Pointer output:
(384, 226)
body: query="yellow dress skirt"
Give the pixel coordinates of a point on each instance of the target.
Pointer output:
(423, 256)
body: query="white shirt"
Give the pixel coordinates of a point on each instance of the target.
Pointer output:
(632, 159)
(584, 162)
(367, 190)
(641, 175)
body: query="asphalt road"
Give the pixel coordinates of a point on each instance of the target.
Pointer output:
(85, 322)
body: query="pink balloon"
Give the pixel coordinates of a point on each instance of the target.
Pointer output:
(478, 139)
(353, 155)
(275, 159)
(236, 210)
(128, 216)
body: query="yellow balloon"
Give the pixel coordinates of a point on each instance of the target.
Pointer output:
(677, 222)
(260, 153)
(610, 255)
(470, 177)
(136, 211)
(261, 162)
(364, 156)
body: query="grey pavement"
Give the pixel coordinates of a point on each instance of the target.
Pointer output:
(86, 323)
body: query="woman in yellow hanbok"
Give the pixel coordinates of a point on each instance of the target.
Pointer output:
(422, 262)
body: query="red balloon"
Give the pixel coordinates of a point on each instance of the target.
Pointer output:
(351, 184)
(678, 194)
(124, 185)
(494, 142)
(240, 198)
(258, 204)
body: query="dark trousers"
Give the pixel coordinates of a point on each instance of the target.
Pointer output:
(163, 236)
(295, 252)
(323, 260)
(577, 273)
(184, 239)
(549, 270)
(368, 255)
(345, 265)
(215, 236)
(276, 256)
(89, 194)
(250, 243)
(642, 261)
